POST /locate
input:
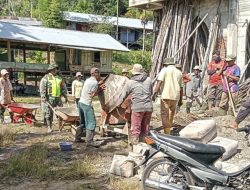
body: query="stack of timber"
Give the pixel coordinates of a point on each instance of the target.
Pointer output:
(175, 26)
(181, 35)
(244, 92)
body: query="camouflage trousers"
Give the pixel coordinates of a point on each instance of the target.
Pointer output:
(2, 110)
(48, 112)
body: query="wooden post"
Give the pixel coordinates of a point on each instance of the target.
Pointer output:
(127, 37)
(48, 54)
(9, 51)
(24, 53)
(24, 80)
(36, 81)
(117, 21)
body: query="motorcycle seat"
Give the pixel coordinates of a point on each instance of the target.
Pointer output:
(191, 145)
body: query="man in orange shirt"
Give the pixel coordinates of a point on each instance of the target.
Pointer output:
(214, 70)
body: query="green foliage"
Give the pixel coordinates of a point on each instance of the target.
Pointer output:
(105, 27)
(50, 11)
(24, 8)
(139, 14)
(38, 56)
(42, 7)
(117, 70)
(54, 14)
(148, 41)
(134, 57)
(82, 6)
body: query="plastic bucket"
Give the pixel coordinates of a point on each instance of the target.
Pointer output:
(66, 146)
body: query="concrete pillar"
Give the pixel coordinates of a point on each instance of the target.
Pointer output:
(232, 13)
(232, 33)
(241, 50)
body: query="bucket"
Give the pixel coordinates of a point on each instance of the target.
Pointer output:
(65, 146)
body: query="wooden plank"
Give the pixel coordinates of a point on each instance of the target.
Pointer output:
(24, 53)
(48, 54)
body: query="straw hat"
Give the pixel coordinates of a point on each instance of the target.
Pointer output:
(93, 70)
(4, 72)
(168, 61)
(197, 68)
(230, 58)
(178, 66)
(79, 74)
(52, 66)
(137, 69)
(125, 70)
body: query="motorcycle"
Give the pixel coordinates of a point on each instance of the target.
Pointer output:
(188, 165)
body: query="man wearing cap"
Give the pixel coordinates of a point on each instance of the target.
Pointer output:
(140, 89)
(231, 75)
(77, 86)
(125, 72)
(214, 71)
(6, 96)
(170, 79)
(193, 88)
(92, 86)
(52, 88)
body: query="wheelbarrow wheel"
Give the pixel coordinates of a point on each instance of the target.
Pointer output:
(29, 119)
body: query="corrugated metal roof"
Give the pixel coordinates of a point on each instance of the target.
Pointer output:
(23, 21)
(91, 18)
(55, 37)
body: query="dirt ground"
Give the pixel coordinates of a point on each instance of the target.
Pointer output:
(93, 170)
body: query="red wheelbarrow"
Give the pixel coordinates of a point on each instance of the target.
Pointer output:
(23, 111)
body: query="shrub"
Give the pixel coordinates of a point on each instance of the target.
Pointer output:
(134, 57)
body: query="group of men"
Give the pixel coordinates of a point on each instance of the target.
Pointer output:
(223, 79)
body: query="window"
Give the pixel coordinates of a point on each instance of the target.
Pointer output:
(97, 57)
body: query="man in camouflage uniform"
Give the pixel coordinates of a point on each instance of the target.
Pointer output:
(52, 89)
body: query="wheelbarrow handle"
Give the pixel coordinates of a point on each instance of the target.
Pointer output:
(50, 106)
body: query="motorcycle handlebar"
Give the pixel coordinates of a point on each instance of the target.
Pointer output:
(245, 129)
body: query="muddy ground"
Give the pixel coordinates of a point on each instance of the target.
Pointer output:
(99, 159)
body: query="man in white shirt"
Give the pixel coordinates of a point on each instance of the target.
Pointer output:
(6, 96)
(77, 86)
(170, 81)
(91, 88)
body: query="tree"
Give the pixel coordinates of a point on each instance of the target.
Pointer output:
(82, 6)
(42, 7)
(24, 8)
(139, 14)
(54, 15)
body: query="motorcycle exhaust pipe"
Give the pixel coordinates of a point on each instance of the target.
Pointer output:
(158, 185)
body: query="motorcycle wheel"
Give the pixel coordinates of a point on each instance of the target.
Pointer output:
(164, 171)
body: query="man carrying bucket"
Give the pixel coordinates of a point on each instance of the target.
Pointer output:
(52, 88)
(6, 96)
